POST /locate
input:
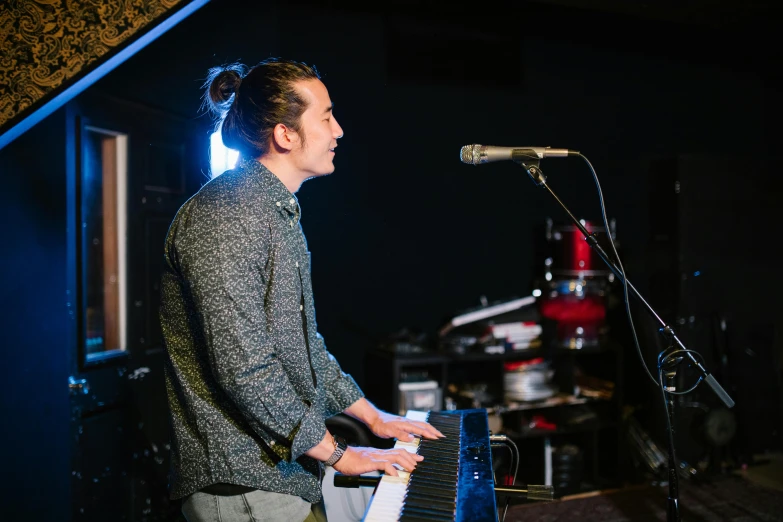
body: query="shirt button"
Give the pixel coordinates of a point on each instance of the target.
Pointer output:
(278, 203)
(271, 443)
(292, 224)
(301, 307)
(297, 264)
(291, 201)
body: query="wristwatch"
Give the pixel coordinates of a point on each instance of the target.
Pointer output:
(339, 448)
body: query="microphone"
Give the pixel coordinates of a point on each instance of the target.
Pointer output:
(477, 154)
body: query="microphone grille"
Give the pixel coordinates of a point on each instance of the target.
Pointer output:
(470, 154)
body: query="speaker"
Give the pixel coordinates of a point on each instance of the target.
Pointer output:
(713, 227)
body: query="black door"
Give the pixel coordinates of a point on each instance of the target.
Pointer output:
(133, 168)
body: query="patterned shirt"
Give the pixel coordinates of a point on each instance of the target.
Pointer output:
(249, 381)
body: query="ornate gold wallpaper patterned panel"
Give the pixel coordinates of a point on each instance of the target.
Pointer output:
(44, 43)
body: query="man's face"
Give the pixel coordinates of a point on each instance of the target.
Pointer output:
(320, 130)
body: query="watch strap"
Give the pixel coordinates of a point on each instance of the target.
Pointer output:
(339, 450)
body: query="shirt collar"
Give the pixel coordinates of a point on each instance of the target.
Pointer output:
(279, 196)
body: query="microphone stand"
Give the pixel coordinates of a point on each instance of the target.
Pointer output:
(667, 360)
(667, 366)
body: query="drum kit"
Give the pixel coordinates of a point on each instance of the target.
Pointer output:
(576, 283)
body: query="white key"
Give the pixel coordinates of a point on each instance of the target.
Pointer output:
(389, 497)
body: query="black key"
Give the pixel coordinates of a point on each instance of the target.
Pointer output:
(427, 513)
(440, 505)
(433, 491)
(437, 474)
(433, 482)
(423, 497)
(417, 518)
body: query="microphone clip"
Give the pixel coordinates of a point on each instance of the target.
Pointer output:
(529, 162)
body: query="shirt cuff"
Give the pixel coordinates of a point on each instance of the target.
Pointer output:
(341, 393)
(311, 432)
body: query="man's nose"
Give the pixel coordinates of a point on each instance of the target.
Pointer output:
(338, 131)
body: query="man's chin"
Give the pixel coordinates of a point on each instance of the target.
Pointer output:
(329, 170)
(321, 174)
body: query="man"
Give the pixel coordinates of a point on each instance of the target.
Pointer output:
(249, 380)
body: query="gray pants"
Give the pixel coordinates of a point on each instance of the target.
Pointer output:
(256, 506)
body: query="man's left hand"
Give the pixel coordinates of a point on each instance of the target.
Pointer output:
(389, 426)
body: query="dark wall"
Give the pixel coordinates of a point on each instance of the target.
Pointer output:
(402, 234)
(34, 324)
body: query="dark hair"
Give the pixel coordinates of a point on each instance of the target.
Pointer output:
(248, 104)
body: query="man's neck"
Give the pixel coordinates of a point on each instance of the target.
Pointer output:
(290, 177)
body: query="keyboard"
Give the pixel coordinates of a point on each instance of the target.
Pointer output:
(454, 482)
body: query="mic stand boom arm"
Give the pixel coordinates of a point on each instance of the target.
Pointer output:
(535, 173)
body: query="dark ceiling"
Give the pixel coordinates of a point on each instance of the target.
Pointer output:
(695, 12)
(743, 35)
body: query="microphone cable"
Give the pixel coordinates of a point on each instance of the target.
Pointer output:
(622, 270)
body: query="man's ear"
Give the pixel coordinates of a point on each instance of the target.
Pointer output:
(285, 138)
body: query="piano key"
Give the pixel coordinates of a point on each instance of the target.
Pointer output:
(427, 513)
(437, 504)
(435, 492)
(418, 496)
(414, 518)
(445, 484)
(437, 473)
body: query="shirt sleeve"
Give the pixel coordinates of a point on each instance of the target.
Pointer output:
(341, 389)
(223, 267)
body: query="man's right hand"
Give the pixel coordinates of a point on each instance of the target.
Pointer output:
(358, 460)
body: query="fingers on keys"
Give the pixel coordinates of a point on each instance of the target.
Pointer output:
(408, 460)
(389, 469)
(403, 460)
(427, 430)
